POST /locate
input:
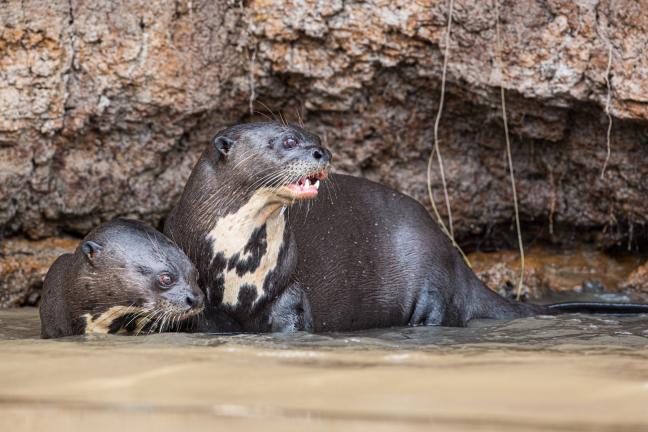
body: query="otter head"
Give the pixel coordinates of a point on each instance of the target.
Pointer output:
(135, 274)
(285, 159)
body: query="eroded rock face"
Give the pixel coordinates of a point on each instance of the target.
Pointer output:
(101, 106)
(23, 266)
(105, 107)
(381, 61)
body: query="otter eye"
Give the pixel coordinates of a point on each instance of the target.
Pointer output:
(166, 280)
(290, 142)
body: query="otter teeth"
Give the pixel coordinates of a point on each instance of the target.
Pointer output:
(307, 185)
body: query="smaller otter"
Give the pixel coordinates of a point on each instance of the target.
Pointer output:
(125, 277)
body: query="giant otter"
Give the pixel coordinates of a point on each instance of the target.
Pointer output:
(358, 256)
(125, 277)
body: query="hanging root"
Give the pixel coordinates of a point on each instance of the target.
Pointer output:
(438, 216)
(436, 133)
(508, 151)
(607, 108)
(251, 81)
(552, 202)
(192, 66)
(251, 58)
(436, 149)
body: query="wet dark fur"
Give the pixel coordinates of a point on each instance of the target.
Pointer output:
(190, 221)
(370, 256)
(358, 256)
(122, 273)
(362, 256)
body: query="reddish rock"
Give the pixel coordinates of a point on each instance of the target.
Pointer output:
(637, 283)
(503, 279)
(23, 265)
(549, 270)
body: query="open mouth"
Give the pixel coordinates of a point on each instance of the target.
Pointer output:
(306, 187)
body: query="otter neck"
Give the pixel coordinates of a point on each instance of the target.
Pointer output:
(221, 195)
(260, 208)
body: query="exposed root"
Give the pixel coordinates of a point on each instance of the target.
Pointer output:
(251, 82)
(192, 82)
(436, 135)
(251, 58)
(607, 109)
(508, 150)
(436, 149)
(552, 203)
(436, 212)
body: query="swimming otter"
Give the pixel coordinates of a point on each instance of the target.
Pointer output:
(361, 255)
(125, 277)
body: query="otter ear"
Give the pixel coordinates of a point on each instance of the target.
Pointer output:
(91, 249)
(223, 145)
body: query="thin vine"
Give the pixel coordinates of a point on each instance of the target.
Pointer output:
(436, 150)
(508, 149)
(607, 109)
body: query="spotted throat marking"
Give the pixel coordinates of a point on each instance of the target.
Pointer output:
(102, 323)
(233, 232)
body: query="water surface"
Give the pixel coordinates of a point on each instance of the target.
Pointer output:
(572, 372)
(528, 334)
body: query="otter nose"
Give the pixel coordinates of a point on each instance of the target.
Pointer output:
(321, 154)
(195, 300)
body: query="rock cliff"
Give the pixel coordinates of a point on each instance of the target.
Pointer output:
(105, 106)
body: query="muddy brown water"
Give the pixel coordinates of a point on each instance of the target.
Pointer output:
(567, 373)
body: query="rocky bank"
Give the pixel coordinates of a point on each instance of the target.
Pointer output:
(105, 106)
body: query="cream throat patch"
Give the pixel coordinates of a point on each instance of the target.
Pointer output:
(247, 243)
